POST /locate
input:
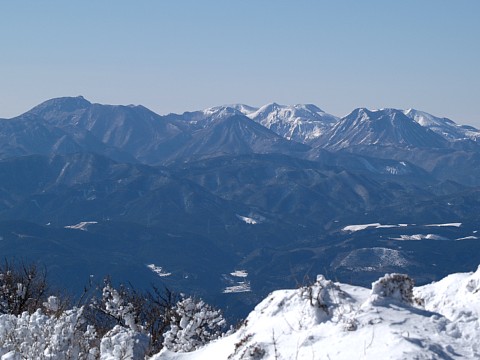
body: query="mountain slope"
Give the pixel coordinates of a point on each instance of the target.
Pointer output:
(65, 190)
(234, 135)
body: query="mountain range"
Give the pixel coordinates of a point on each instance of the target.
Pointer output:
(234, 201)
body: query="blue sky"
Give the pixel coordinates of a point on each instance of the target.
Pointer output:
(174, 56)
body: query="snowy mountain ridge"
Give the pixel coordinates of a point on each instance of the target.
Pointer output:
(328, 320)
(386, 127)
(443, 126)
(301, 122)
(307, 122)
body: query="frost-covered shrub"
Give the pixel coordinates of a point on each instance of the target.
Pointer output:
(318, 294)
(123, 343)
(193, 324)
(396, 286)
(115, 305)
(41, 336)
(113, 323)
(146, 312)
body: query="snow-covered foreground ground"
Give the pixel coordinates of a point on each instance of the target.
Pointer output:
(326, 320)
(337, 321)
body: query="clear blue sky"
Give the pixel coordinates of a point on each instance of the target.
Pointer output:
(174, 56)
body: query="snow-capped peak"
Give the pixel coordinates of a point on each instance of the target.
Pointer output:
(384, 127)
(244, 109)
(443, 126)
(221, 112)
(300, 122)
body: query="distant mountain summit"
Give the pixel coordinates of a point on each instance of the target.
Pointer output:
(301, 122)
(386, 127)
(443, 126)
(64, 105)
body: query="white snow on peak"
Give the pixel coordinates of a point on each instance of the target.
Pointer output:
(221, 112)
(443, 126)
(300, 122)
(327, 320)
(81, 225)
(244, 109)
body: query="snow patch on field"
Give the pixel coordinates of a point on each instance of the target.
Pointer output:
(354, 228)
(81, 226)
(417, 237)
(241, 286)
(446, 225)
(158, 270)
(248, 220)
(467, 238)
(236, 286)
(359, 227)
(240, 273)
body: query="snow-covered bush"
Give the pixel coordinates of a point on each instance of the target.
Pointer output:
(115, 305)
(318, 294)
(193, 324)
(123, 343)
(113, 323)
(41, 336)
(396, 286)
(146, 312)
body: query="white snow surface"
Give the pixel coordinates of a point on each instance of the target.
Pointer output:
(337, 321)
(326, 320)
